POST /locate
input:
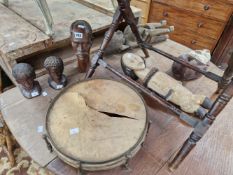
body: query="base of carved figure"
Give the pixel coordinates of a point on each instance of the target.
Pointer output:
(36, 91)
(57, 86)
(127, 71)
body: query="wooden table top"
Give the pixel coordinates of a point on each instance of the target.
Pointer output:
(213, 155)
(106, 6)
(23, 31)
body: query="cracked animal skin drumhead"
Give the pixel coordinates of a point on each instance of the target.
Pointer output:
(80, 130)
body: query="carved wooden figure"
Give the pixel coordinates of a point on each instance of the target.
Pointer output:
(150, 32)
(166, 86)
(54, 65)
(81, 40)
(24, 75)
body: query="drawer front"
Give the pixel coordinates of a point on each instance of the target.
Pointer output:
(209, 8)
(201, 25)
(227, 1)
(144, 5)
(192, 40)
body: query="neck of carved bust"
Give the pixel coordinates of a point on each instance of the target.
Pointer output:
(83, 62)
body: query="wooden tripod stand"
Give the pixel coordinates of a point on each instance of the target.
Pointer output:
(200, 126)
(122, 12)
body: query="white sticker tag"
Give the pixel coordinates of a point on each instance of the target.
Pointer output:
(59, 86)
(11, 44)
(81, 26)
(40, 129)
(7, 35)
(74, 131)
(34, 93)
(44, 93)
(78, 35)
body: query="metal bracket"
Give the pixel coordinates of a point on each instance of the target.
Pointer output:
(126, 165)
(49, 146)
(81, 171)
(149, 125)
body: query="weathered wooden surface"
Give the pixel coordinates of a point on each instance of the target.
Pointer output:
(212, 156)
(105, 6)
(63, 13)
(18, 37)
(23, 36)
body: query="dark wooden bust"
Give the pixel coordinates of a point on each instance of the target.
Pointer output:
(24, 75)
(182, 73)
(54, 65)
(81, 40)
(198, 58)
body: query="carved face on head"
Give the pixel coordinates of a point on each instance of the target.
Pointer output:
(81, 38)
(55, 73)
(133, 61)
(24, 75)
(26, 82)
(55, 67)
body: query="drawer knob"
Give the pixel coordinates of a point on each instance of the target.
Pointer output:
(200, 24)
(206, 7)
(193, 42)
(165, 14)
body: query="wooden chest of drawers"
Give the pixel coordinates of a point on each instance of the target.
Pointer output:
(144, 5)
(198, 23)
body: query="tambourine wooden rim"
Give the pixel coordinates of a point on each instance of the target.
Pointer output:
(80, 162)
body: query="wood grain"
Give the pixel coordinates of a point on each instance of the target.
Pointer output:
(192, 40)
(217, 10)
(189, 21)
(208, 157)
(18, 37)
(63, 13)
(144, 5)
(99, 5)
(105, 7)
(223, 50)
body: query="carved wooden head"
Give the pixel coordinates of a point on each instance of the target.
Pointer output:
(24, 74)
(81, 37)
(54, 65)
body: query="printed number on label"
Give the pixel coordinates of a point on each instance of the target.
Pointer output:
(78, 35)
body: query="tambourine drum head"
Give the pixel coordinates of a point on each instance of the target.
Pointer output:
(80, 131)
